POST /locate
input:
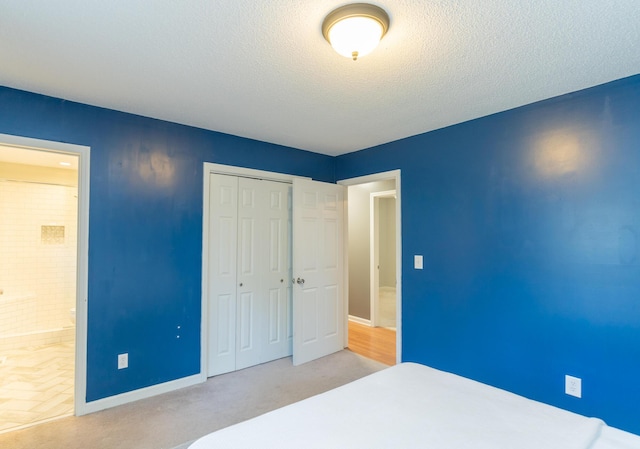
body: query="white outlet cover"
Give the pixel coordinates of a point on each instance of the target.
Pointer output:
(417, 262)
(123, 361)
(573, 386)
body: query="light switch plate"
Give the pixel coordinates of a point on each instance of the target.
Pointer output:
(417, 262)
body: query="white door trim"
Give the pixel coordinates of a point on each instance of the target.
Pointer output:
(374, 272)
(82, 277)
(392, 174)
(208, 169)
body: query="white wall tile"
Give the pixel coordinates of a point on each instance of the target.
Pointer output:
(29, 268)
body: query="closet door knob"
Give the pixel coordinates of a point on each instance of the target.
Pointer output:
(300, 281)
(240, 284)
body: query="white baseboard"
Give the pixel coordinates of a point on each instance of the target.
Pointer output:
(357, 319)
(136, 395)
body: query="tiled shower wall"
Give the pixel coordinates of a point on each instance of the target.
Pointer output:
(38, 226)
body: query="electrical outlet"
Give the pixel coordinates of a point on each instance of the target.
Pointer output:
(123, 360)
(417, 262)
(573, 386)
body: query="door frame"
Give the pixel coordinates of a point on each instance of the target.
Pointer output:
(374, 251)
(382, 176)
(210, 168)
(82, 257)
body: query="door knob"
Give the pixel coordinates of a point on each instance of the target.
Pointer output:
(300, 281)
(240, 284)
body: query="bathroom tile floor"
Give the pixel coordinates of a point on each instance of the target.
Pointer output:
(36, 384)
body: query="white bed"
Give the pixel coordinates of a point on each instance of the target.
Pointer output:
(414, 406)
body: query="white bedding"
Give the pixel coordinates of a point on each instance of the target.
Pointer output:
(414, 406)
(612, 438)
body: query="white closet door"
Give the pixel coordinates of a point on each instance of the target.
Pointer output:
(249, 298)
(277, 332)
(251, 309)
(223, 225)
(318, 299)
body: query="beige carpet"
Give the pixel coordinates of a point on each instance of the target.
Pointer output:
(175, 419)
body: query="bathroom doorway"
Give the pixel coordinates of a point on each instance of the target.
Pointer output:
(39, 284)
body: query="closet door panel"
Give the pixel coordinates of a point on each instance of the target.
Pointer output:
(225, 315)
(277, 336)
(274, 322)
(223, 225)
(251, 266)
(250, 303)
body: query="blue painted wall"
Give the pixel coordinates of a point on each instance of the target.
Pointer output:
(529, 223)
(145, 231)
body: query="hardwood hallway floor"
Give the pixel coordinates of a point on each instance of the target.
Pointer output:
(376, 343)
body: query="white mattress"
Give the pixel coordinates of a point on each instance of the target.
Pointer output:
(413, 406)
(612, 438)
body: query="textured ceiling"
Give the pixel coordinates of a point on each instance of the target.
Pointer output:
(261, 68)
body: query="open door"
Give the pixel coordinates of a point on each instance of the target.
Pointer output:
(318, 269)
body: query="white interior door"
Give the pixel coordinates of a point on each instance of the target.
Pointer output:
(278, 329)
(318, 242)
(249, 299)
(223, 226)
(250, 308)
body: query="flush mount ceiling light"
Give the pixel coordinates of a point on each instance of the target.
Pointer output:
(355, 30)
